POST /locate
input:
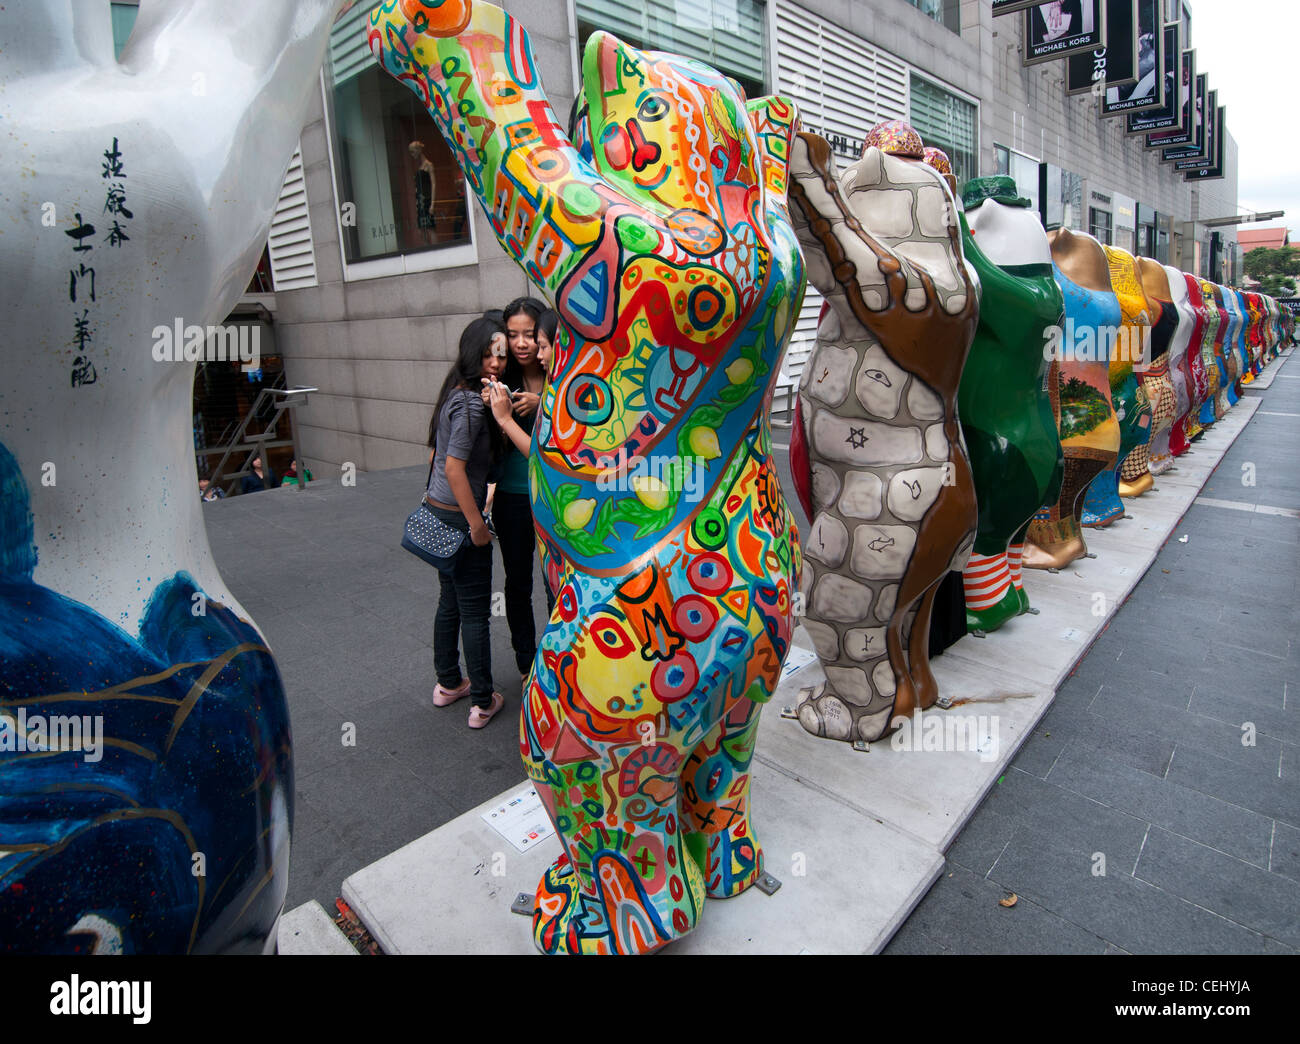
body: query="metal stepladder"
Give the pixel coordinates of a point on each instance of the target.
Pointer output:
(283, 400)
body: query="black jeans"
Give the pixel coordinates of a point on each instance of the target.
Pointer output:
(512, 515)
(463, 610)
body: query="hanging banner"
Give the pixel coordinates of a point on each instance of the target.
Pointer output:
(1115, 63)
(1148, 91)
(1200, 144)
(1001, 7)
(1181, 133)
(1220, 135)
(1212, 132)
(1059, 29)
(1169, 114)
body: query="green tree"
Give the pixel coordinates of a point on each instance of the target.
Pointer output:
(1275, 269)
(1263, 261)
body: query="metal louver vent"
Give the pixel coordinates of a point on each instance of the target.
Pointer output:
(293, 259)
(843, 87)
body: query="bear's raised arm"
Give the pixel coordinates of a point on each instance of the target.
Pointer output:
(471, 64)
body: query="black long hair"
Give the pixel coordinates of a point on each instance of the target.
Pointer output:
(475, 340)
(548, 323)
(533, 308)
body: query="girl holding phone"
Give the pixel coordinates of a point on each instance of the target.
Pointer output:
(512, 510)
(463, 446)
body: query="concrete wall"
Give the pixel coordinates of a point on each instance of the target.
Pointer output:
(378, 349)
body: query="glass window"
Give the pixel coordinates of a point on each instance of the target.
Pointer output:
(390, 159)
(1001, 160)
(123, 16)
(946, 12)
(1099, 224)
(1062, 198)
(1146, 230)
(950, 123)
(729, 35)
(1022, 169)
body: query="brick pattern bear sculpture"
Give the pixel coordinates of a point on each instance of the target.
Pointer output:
(892, 501)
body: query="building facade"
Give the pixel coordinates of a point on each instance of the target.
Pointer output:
(379, 260)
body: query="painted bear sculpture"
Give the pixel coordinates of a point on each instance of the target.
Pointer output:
(1127, 349)
(658, 227)
(1185, 355)
(1089, 429)
(1005, 401)
(1132, 394)
(892, 499)
(134, 199)
(1163, 379)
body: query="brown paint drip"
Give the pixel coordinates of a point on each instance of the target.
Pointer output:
(916, 342)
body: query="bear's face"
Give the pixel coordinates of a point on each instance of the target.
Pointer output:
(666, 127)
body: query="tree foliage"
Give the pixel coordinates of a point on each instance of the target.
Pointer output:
(1277, 285)
(1263, 261)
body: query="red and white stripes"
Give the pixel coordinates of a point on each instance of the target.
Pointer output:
(986, 580)
(1014, 554)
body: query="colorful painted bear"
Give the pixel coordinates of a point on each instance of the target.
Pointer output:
(658, 227)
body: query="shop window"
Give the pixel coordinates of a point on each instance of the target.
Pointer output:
(390, 159)
(729, 35)
(1022, 169)
(946, 12)
(950, 123)
(123, 16)
(1099, 224)
(1062, 203)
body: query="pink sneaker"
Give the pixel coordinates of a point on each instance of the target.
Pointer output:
(443, 697)
(479, 717)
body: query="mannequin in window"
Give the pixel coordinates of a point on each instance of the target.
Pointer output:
(425, 180)
(434, 200)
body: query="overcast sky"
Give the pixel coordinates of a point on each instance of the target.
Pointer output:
(1248, 47)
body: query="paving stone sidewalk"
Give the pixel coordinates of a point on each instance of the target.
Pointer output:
(1173, 751)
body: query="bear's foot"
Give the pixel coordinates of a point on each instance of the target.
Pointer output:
(733, 859)
(991, 617)
(622, 917)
